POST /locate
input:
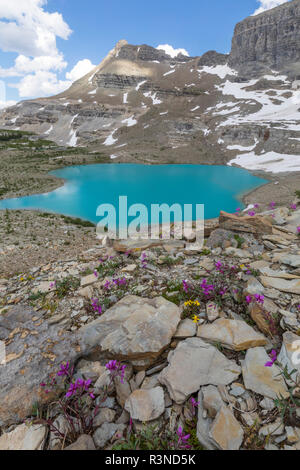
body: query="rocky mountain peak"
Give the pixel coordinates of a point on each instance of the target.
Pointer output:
(268, 41)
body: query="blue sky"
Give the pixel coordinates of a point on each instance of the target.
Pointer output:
(45, 45)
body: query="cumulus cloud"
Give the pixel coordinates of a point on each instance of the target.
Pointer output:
(171, 51)
(41, 83)
(267, 5)
(81, 68)
(27, 29)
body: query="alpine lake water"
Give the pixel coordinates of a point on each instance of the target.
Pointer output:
(88, 186)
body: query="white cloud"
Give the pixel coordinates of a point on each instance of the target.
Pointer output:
(26, 28)
(30, 31)
(171, 51)
(80, 69)
(42, 83)
(24, 65)
(267, 5)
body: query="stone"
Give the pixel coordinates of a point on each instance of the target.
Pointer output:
(123, 391)
(292, 434)
(237, 252)
(130, 268)
(226, 431)
(34, 349)
(212, 311)
(289, 355)
(291, 287)
(88, 280)
(233, 334)
(24, 437)
(194, 363)
(44, 287)
(266, 381)
(186, 329)
(272, 429)
(260, 316)
(212, 400)
(84, 442)
(289, 259)
(135, 329)
(86, 292)
(104, 434)
(130, 245)
(146, 405)
(245, 223)
(105, 415)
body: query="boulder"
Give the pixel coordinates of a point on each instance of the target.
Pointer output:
(256, 224)
(233, 334)
(194, 363)
(290, 353)
(84, 442)
(135, 329)
(266, 381)
(146, 405)
(34, 350)
(291, 287)
(24, 437)
(226, 431)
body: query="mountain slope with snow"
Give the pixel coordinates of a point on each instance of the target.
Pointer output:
(141, 104)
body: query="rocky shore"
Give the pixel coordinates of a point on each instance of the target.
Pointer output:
(209, 337)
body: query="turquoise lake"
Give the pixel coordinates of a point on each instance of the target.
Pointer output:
(88, 186)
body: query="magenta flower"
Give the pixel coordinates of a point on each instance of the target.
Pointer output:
(293, 207)
(64, 370)
(252, 213)
(185, 286)
(96, 306)
(272, 205)
(249, 299)
(194, 405)
(116, 369)
(182, 439)
(259, 298)
(256, 206)
(96, 273)
(298, 229)
(273, 356)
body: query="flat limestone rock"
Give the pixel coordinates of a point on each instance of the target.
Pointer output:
(290, 353)
(226, 431)
(195, 363)
(24, 438)
(135, 328)
(291, 287)
(186, 329)
(34, 349)
(146, 405)
(234, 334)
(256, 224)
(266, 381)
(84, 442)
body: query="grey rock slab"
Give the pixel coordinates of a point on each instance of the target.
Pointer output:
(135, 328)
(195, 363)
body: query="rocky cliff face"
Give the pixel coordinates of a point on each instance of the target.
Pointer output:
(269, 41)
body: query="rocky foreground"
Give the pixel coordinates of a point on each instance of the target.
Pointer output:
(209, 337)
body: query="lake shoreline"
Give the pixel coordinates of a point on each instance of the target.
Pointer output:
(279, 188)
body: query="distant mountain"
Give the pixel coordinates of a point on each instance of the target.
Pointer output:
(140, 104)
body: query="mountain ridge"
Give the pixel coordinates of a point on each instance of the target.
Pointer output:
(140, 104)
